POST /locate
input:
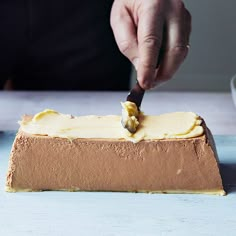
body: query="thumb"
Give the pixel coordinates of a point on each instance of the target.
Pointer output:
(124, 31)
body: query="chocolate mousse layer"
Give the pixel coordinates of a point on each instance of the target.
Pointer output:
(188, 165)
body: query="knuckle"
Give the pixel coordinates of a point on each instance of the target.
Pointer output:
(188, 16)
(115, 19)
(112, 21)
(188, 22)
(180, 5)
(180, 51)
(152, 42)
(125, 46)
(148, 64)
(156, 4)
(112, 17)
(117, 14)
(150, 5)
(177, 6)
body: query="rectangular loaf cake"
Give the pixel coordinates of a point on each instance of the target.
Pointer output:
(92, 154)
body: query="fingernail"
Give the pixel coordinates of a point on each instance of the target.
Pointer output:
(162, 83)
(154, 84)
(147, 85)
(158, 84)
(135, 63)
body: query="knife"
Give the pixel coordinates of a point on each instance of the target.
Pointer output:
(130, 121)
(136, 95)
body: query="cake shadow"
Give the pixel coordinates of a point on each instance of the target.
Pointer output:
(228, 173)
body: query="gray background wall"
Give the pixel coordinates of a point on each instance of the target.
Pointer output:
(212, 57)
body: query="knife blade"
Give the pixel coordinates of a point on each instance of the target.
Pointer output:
(136, 95)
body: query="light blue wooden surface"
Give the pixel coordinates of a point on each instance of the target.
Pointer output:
(91, 213)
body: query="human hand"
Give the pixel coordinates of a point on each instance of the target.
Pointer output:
(153, 35)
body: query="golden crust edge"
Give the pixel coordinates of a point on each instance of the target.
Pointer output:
(220, 192)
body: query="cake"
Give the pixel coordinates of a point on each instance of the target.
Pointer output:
(169, 153)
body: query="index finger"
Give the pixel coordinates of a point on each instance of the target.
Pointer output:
(150, 31)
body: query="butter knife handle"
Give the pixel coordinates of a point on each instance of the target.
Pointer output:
(136, 95)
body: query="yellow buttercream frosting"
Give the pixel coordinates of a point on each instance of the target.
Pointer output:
(41, 114)
(166, 126)
(129, 118)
